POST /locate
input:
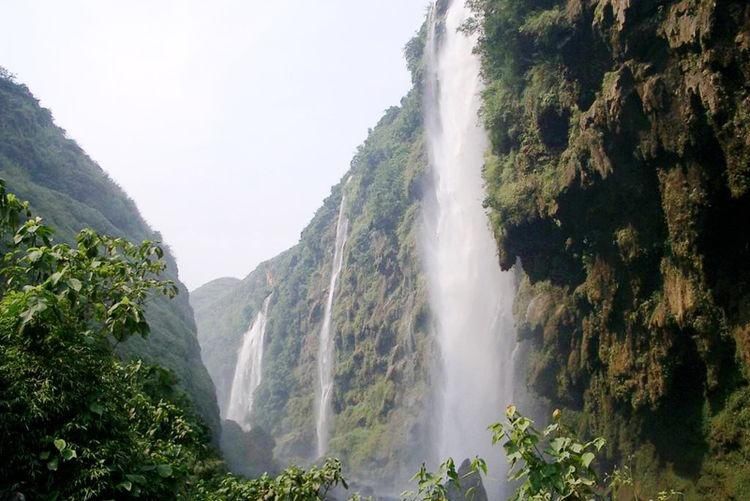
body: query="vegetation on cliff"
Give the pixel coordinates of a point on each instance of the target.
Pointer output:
(619, 176)
(77, 421)
(42, 165)
(380, 318)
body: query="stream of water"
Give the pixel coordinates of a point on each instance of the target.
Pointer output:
(248, 371)
(326, 355)
(471, 297)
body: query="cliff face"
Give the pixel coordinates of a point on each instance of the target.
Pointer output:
(619, 176)
(379, 315)
(68, 189)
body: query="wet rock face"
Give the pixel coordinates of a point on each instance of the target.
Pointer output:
(472, 488)
(631, 220)
(248, 453)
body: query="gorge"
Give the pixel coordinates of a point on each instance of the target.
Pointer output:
(425, 325)
(456, 324)
(555, 217)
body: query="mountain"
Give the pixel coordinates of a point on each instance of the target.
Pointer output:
(70, 191)
(379, 314)
(204, 297)
(617, 182)
(619, 176)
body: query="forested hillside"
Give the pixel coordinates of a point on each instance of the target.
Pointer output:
(42, 165)
(618, 179)
(80, 423)
(383, 350)
(619, 175)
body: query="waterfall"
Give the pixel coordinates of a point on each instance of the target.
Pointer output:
(248, 371)
(470, 296)
(326, 345)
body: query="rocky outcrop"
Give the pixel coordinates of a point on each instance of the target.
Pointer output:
(619, 176)
(471, 486)
(248, 453)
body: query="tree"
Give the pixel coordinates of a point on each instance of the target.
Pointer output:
(547, 465)
(76, 422)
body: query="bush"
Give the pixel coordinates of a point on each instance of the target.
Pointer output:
(78, 423)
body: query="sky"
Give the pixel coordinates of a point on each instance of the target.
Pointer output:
(227, 121)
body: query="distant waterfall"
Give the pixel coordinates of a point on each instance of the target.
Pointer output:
(470, 296)
(248, 371)
(326, 347)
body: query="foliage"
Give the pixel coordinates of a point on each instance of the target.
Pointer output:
(293, 484)
(6, 75)
(552, 464)
(615, 175)
(66, 187)
(413, 54)
(447, 483)
(379, 312)
(75, 421)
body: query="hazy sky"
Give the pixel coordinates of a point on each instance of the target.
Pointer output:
(226, 121)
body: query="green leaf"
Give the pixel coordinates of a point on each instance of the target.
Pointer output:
(599, 442)
(34, 255)
(551, 429)
(164, 470)
(60, 444)
(557, 444)
(96, 408)
(52, 465)
(69, 454)
(136, 479)
(75, 284)
(55, 278)
(586, 459)
(127, 485)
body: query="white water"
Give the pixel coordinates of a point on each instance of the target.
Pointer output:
(248, 371)
(470, 295)
(326, 345)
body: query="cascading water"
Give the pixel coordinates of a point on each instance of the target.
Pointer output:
(471, 297)
(248, 371)
(326, 346)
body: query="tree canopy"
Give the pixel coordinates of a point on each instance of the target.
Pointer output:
(76, 422)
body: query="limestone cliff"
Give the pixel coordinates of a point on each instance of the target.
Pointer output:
(619, 176)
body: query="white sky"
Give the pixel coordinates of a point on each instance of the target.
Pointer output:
(226, 121)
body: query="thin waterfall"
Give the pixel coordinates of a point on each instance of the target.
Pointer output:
(248, 371)
(470, 296)
(326, 346)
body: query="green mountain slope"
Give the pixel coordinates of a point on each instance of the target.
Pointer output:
(70, 191)
(204, 297)
(380, 318)
(620, 177)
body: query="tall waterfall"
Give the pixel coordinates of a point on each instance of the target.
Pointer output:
(326, 345)
(248, 371)
(471, 297)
